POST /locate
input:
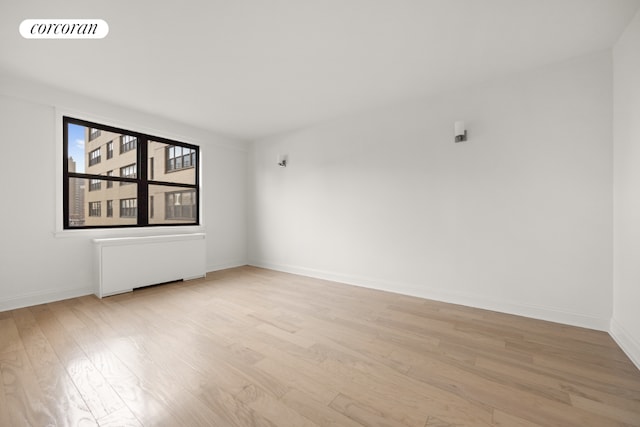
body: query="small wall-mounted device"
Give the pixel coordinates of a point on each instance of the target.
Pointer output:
(282, 160)
(459, 131)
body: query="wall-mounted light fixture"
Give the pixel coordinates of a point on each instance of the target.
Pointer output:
(459, 131)
(282, 160)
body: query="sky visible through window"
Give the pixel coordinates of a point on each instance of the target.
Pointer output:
(76, 145)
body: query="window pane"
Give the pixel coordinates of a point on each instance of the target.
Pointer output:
(172, 163)
(77, 188)
(172, 205)
(93, 203)
(92, 151)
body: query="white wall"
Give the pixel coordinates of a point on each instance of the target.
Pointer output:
(39, 264)
(517, 219)
(625, 325)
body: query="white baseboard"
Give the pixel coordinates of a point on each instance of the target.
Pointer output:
(224, 266)
(626, 341)
(35, 298)
(551, 314)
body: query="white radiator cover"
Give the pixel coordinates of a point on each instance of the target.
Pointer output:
(125, 263)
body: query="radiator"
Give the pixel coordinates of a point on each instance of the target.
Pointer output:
(123, 264)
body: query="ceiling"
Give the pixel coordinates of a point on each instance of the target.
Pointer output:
(253, 68)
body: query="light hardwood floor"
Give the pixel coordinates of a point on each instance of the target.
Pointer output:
(253, 347)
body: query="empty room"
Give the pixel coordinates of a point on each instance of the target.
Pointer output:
(416, 213)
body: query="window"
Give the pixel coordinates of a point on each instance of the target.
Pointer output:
(179, 158)
(128, 143)
(152, 197)
(109, 150)
(94, 157)
(180, 205)
(94, 185)
(95, 209)
(109, 183)
(128, 208)
(93, 134)
(128, 171)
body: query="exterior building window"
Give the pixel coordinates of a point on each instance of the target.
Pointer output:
(93, 134)
(128, 143)
(94, 157)
(166, 199)
(109, 183)
(129, 171)
(180, 205)
(128, 208)
(95, 208)
(94, 185)
(179, 158)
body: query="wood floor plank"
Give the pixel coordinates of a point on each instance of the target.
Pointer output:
(372, 348)
(143, 399)
(587, 355)
(123, 417)
(24, 398)
(299, 382)
(318, 412)
(4, 405)
(402, 395)
(148, 400)
(598, 379)
(504, 419)
(273, 409)
(436, 422)
(253, 347)
(371, 415)
(171, 382)
(10, 338)
(631, 418)
(292, 337)
(421, 328)
(524, 380)
(498, 395)
(60, 394)
(571, 386)
(232, 410)
(94, 389)
(546, 328)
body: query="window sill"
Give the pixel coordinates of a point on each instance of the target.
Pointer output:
(96, 233)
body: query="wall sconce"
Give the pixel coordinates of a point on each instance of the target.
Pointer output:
(459, 131)
(282, 160)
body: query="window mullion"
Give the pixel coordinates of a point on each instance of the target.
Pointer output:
(143, 181)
